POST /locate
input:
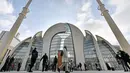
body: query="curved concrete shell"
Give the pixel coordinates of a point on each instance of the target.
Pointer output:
(65, 29)
(108, 53)
(15, 52)
(20, 51)
(92, 53)
(26, 40)
(36, 42)
(80, 49)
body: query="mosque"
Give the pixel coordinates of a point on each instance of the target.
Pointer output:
(81, 49)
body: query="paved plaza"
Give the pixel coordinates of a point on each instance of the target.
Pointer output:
(70, 72)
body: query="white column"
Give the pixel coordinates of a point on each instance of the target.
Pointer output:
(26, 56)
(15, 27)
(98, 52)
(40, 66)
(100, 57)
(121, 39)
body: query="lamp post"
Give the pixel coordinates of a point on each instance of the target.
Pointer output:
(14, 29)
(119, 36)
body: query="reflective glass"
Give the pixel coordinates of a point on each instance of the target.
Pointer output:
(109, 55)
(90, 53)
(59, 41)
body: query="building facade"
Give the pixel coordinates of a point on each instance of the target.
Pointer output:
(64, 34)
(109, 53)
(3, 37)
(92, 53)
(81, 49)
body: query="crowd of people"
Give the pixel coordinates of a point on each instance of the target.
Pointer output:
(46, 66)
(121, 56)
(124, 59)
(8, 65)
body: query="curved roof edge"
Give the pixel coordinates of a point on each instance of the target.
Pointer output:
(76, 27)
(38, 34)
(50, 28)
(61, 23)
(87, 32)
(101, 38)
(29, 38)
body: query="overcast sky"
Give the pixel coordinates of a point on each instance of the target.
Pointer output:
(82, 13)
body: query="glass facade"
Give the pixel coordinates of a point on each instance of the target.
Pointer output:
(90, 53)
(60, 40)
(20, 53)
(108, 54)
(38, 43)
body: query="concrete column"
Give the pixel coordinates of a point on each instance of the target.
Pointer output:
(40, 67)
(121, 39)
(15, 27)
(26, 56)
(100, 57)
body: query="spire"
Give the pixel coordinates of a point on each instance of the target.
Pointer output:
(29, 2)
(13, 31)
(118, 34)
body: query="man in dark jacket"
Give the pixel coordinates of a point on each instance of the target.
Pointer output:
(33, 59)
(124, 58)
(85, 66)
(5, 67)
(19, 65)
(80, 66)
(10, 63)
(108, 66)
(44, 63)
(54, 63)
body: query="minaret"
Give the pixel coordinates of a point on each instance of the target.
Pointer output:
(14, 29)
(119, 36)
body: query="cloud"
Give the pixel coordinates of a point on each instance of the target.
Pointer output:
(7, 19)
(6, 7)
(98, 26)
(122, 16)
(6, 15)
(69, 1)
(7, 22)
(25, 34)
(85, 13)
